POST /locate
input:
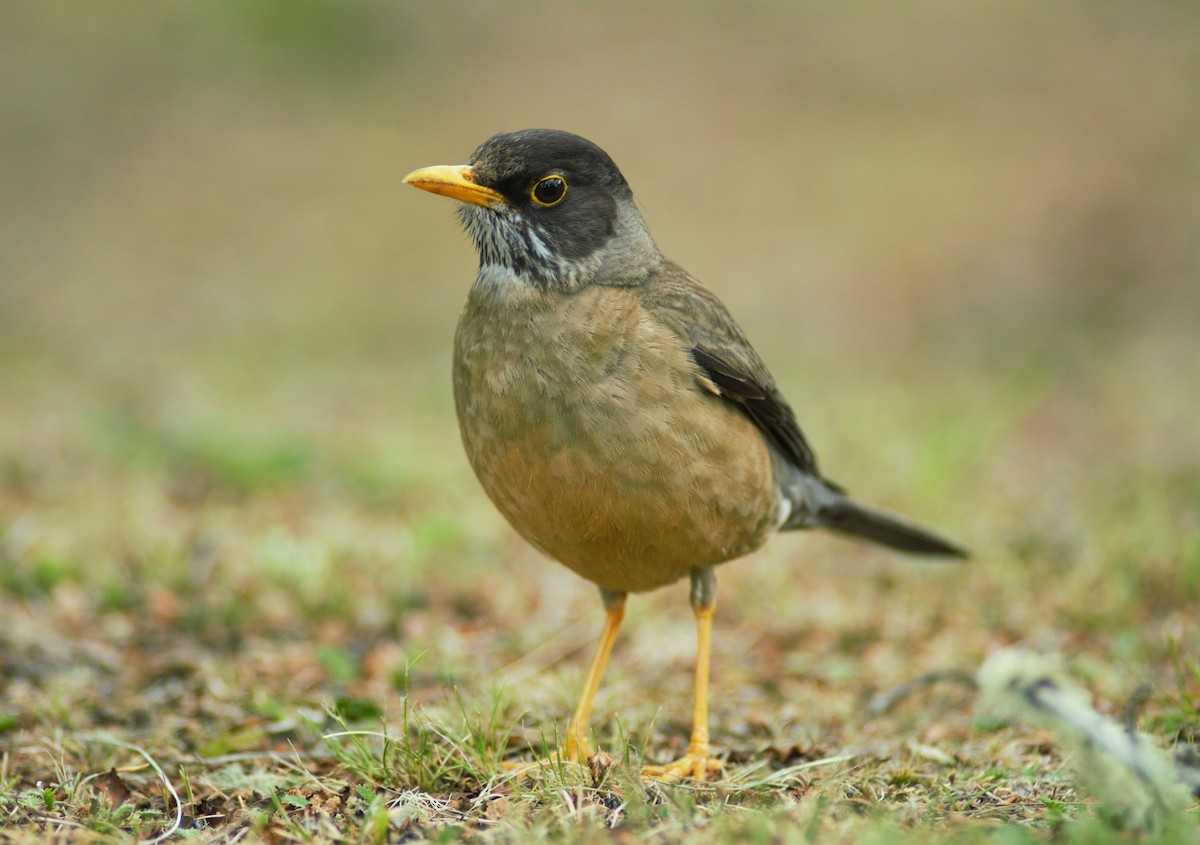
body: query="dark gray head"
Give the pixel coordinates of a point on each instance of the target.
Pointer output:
(548, 207)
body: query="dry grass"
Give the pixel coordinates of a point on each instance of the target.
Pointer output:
(234, 516)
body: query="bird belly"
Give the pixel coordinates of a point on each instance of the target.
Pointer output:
(586, 427)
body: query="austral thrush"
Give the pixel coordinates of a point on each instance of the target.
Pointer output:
(611, 407)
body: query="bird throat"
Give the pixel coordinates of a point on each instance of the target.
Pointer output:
(511, 251)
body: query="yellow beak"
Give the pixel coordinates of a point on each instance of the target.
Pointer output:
(456, 181)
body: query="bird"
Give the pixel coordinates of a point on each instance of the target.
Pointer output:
(613, 410)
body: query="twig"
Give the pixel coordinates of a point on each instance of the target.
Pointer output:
(1134, 704)
(175, 825)
(885, 701)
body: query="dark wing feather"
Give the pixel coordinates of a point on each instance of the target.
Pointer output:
(726, 359)
(765, 407)
(728, 366)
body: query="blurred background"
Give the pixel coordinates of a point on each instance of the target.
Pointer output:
(964, 236)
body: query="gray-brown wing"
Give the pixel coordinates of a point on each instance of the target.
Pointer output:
(726, 358)
(765, 408)
(728, 366)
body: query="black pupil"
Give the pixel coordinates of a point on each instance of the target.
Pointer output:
(549, 190)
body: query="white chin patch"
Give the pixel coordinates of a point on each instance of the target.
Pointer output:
(498, 278)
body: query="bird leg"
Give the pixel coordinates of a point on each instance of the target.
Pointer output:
(698, 762)
(577, 749)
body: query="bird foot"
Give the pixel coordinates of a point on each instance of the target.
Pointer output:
(697, 764)
(575, 751)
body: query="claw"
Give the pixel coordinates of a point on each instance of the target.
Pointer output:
(576, 751)
(697, 764)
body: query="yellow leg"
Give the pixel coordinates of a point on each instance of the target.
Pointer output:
(697, 762)
(577, 749)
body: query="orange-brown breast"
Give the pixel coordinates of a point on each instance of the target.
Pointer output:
(587, 427)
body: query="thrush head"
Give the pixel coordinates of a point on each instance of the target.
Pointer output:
(547, 209)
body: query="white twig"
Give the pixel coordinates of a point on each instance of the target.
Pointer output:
(175, 825)
(1127, 772)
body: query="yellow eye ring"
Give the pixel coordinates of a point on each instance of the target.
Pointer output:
(549, 191)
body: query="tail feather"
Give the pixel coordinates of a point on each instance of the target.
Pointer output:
(848, 517)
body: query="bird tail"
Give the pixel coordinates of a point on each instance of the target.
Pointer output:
(845, 516)
(826, 505)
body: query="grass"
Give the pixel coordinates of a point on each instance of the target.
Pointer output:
(306, 660)
(248, 587)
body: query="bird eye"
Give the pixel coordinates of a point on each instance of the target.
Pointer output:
(549, 191)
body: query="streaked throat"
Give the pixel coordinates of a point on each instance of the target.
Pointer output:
(512, 251)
